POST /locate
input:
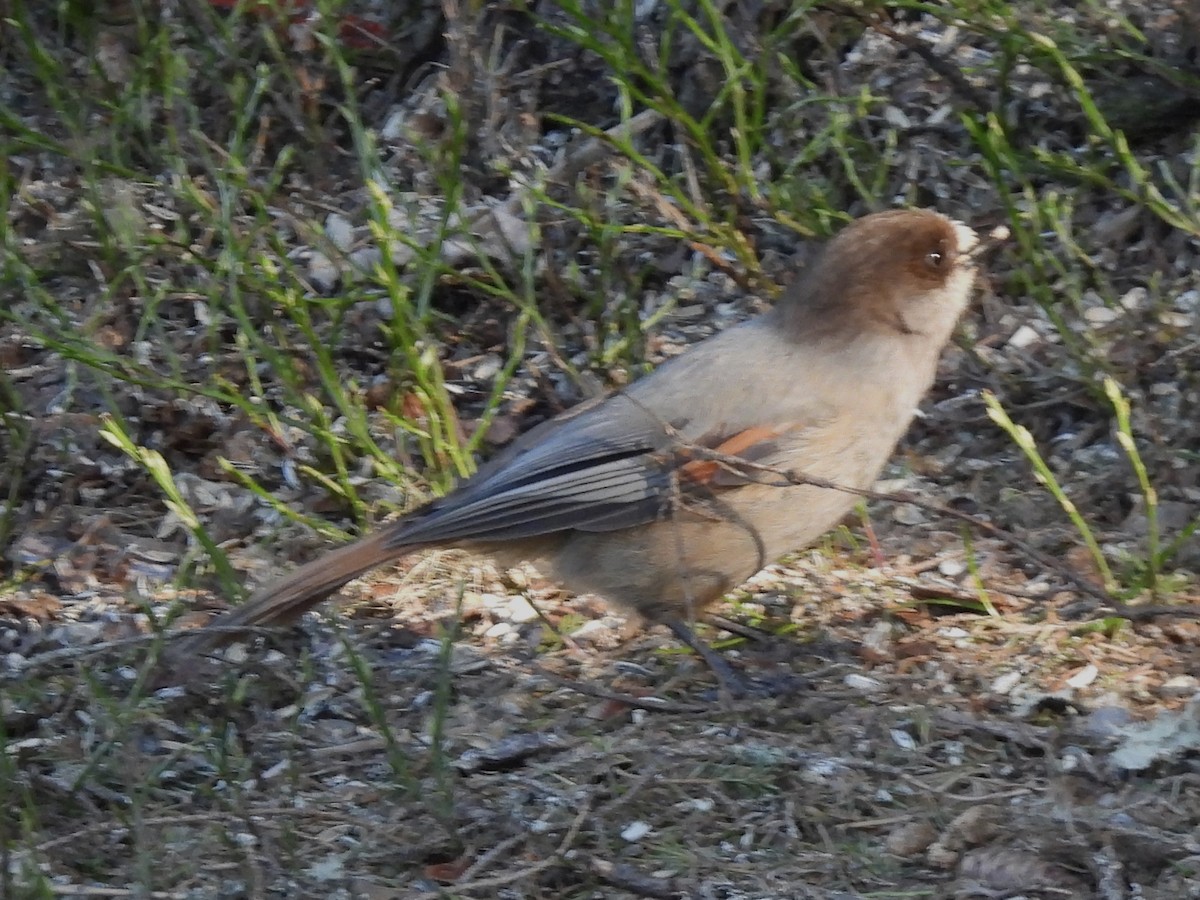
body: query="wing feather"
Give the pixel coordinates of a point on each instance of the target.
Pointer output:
(613, 467)
(579, 498)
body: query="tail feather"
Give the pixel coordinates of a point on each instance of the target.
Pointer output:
(290, 597)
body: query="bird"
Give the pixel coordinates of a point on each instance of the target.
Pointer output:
(666, 494)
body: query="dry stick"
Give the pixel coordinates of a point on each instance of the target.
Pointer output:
(939, 66)
(625, 877)
(621, 875)
(649, 703)
(85, 890)
(1080, 581)
(952, 75)
(509, 877)
(1142, 613)
(588, 153)
(739, 467)
(490, 222)
(485, 860)
(265, 813)
(798, 478)
(568, 642)
(73, 654)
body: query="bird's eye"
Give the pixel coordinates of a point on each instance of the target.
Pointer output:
(939, 259)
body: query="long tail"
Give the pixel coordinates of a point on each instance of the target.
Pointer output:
(291, 596)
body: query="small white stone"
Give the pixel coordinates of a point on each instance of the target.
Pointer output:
(862, 683)
(955, 752)
(520, 610)
(635, 831)
(339, 231)
(393, 126)
(1006, 682)
(330, 869)
(1180, 686)
(591, 627)
(908, 514)
(365, 259)
(492, 601)
(1101, 315)
(75, 634)
(236, 653)
(1024, 337)
(1083, 677)
(322, 272)
(1175, 319)
(952, 568)
(1134, 298)
(878, 637)
(488, 368)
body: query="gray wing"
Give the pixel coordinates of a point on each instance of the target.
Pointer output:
(604, 468)
(619, 462)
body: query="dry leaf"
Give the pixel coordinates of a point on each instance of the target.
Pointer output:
(41, 606)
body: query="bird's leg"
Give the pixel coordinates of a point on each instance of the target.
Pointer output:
(749, 632)
(734, 683)
(877, 555)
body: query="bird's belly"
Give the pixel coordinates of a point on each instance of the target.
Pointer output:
(674, 568)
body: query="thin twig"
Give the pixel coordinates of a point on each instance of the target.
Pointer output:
(509, 877)
(649, 703)
(87, 890)
(626, 878)
(741, 468)
(948, 72)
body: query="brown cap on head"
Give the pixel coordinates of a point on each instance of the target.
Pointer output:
(891, 270)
